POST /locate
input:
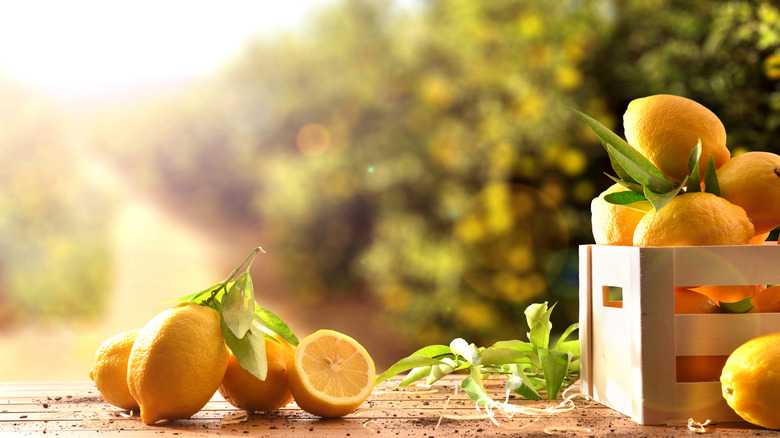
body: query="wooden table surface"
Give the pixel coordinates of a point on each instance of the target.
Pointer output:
(77, 409)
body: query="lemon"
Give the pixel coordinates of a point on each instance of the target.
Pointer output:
(109, 371)
(695, 219)
(665, 129)
(177, 362)
(613, 224)
(752, 181)
(729, 294)
(766, 300)
(245, 391)
(750, 381)
(332, 374)
(690, 301)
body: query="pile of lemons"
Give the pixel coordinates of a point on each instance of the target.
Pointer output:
(171, 367)
(665, 129)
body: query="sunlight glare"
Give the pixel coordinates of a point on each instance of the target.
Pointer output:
(82, 47)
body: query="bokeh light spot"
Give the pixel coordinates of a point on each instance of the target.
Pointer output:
(313, 140)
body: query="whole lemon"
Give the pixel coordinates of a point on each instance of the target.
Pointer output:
(245, 391)
(665, 129)
(752, 181)
(750, 381)
(694, 219)
(613, 224)
(109, 372)
(177, 362)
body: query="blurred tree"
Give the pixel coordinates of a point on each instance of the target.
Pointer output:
(431, 158)
(723, 55)
(53, 224)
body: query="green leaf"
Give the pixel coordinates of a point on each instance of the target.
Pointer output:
(520, 384)
(446, 366)
(269, 320)
(618, 168)
(415, 375)
(622, 198)
(433, 351)
(517, 345)
(238, 305)
(741, 306)
(538, 319)
(659, 200)
(566, 333)
(711, 184)
(473, 387)
(249, 350)
(406, 364)
(694, 180)
(633, 186)
(641, 174)
(503, 356)
(554, 366)
(628, 158)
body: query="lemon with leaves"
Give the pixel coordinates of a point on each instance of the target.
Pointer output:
(750, 381)
(665, 128)
(177, 362)
(109, 371)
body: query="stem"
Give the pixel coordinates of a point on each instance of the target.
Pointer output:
(250, 258)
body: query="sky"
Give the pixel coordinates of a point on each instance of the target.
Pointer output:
(79, 48)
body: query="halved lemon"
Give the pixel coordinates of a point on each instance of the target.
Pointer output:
(332, 374)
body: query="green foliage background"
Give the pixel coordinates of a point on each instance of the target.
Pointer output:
(429, 158)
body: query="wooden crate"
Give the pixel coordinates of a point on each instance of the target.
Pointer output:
(630, 347)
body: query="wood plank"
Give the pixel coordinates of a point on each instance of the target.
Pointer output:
(70, 409)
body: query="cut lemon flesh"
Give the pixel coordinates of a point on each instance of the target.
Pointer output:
(332, 374)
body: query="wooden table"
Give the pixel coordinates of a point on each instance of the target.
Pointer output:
(76, 409)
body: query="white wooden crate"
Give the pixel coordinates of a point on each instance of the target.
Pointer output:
(629, 353)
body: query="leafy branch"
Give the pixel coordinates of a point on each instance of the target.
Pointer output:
(245, 324)
(644, 180)
(532, 368)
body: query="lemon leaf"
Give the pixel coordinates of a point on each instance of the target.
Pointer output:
(433, 351)
(711, 184)
(659, 200)
(538, 319)
(407, 364)
(517, 345)
(554, 366)
(622, 198)
(249, 350)
(633, 186)
(619, 170)
(501, 356)
(565, 335)
(269, 320)
(694, 180)
(521, 384)
(741, 306)
(656, 182)
(238, 305)
(475, 389)
(414, 375)
(626, 154)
